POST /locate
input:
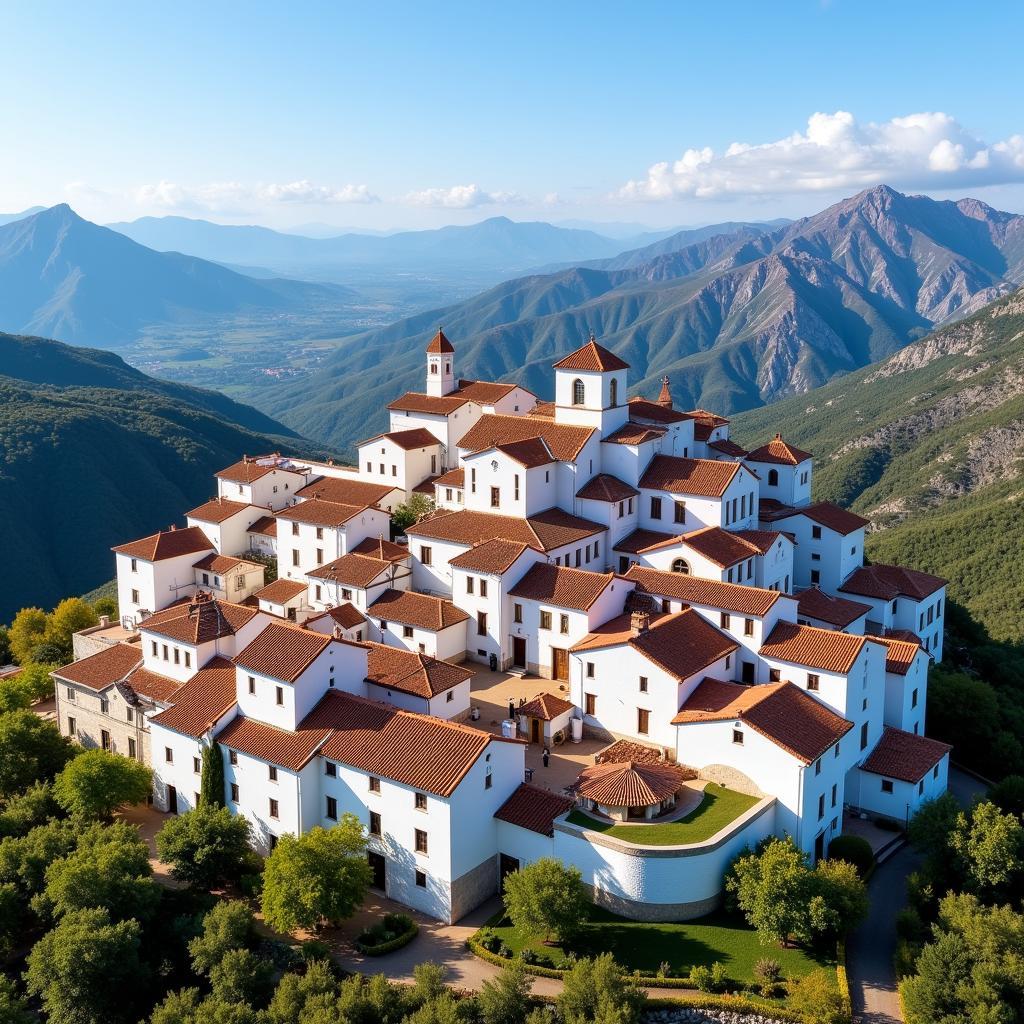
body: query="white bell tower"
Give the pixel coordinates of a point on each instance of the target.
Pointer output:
(440, 366)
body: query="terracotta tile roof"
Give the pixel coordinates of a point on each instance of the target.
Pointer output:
(407, 440)
(200, 701)
(904, 756)
(825, 649)
(889, 581)
(565, 440)
(346, 615)
(351, 570)
(707, 478)
(101, 670)
(546, 706)
(289, 749)
(729, 597)
(824, 513)
(729, 448)
(434, 405)
(625, 784)
(720, 546)
(198, 621)
(779, 452)
(629, 750)
(411, 672)
(543, 410)
(379, 548)
(345, 491)
(282, 652)
(217, 510)
(634, 434)
(605, 487)
(486, 392)
(412, 609)
(317, 512)
(531, 452)
(453, 478)
(440, 344)
(562, 586)
(763, 540)
(682, 643)
(544, 531)
(705, 422)
(591, 358)
(152, 685)
(900, 653)
(533, 808)
(265, 525)
(836, 611)
(493, 556)
(426, 487)
(420, 751)
(782, 712)
(643, 540)
(642, 411)
(220, 563)
(170, 543)
(245, 472)
(281, 591)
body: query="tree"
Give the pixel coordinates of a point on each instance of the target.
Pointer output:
(840, 900)
(990, 844)
(546, 898)
(316, 878)
(5, 646)
(206, 846)
(24, 811)
(930, 828)
(411, 511)
(1008, 795)
(33, 751)
(817, 999)
(242, 977)
(13, 1009)
(594, 990)
(70, 616)
(855, 850)
(14, 694)
(506, 999)
(35, 679)
(26, 633)
(211, 781)
(86, 970)
(97, 782)
(106, 606)
(297, 996)
(11, 913)
(773, 889)
(109, 868)
(228, 926)
(24, 860)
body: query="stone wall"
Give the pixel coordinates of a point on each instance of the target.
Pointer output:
(474, 887)
(731, 778)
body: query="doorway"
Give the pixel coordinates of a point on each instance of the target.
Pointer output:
(172, 800)
(519, 652)
(378, 870)
(535, 730)
(560, 663)
(506, 865)
(819, 847)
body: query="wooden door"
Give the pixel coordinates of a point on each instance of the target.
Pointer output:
(519, 651)
(560, 663)
(379, 869)
(535, 730)
(172, 800)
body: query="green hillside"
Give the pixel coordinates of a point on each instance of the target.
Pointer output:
(930, 445)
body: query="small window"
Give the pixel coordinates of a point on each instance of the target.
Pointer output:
(913, 699)
(680, 512)
(655, 508)
(737, 736)
(935, 770)
(104, 706)
(168, 754)
(834, 793)
(886, 785)
(421, 841)
(104, 739)
(295, 529)
(483, 588)
(272, 772)
(864, 736)
(816, 532)
(407, 632)
(774, 675)
(481, 623)
(129, 714)
(643, 684)
(273, 808)
(421, 879)
(330, 769)
(73, 729)
(813, 681)
(495, 497)
(815, 577)
(590, 670)
(426, 555)
(375, 826)
(680, 565)
(578, 394)
(135, 565)
(234, 792)
(817, 767)
(470, 584)
(279, 696)
(197, 765)
(252, 685)
(135, 597)
(421, 801)
(132, 753)
(724, 620)
(517, 613)
(821, 807)
(545, 620)
(233, 756)
(374, 784)
(773, 478)
(332, 809)
(589, 704)
(563, 624)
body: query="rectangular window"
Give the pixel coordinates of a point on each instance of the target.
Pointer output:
(421, 879)
(821, 807)
(724, 620)
(374, 784)
(135, 565)
(318, 592)
(346, 594)
(319, 556)
(279, 696)
(72, 728)
(233, 757)
(168, 755)
(154, 648)
(332, 809)
(272, 772)
(517, 613)
(483, 588)
(375, 827)
(234, 792)
(295, 558)
(481, 623)
(319, 533)
(426, 555)
(252, 685)
(643, 684)
(834, 793)
(813, 681)
(273, 808)
(817, 767)
(421, 841)
(655, 508)
(748, 627)
(589, 704)
(680, 511)
(166, 656)
(815, 577)
(913, 699)
(132, 753)
(104, 739)
(421, 801)
(774, 675)
(104, 706)
(545, 620)
(516, 486)
(330, 769)
(864, 736)
(407, 632)
(590, 670)
(197, 765)
(737, 736)
(472, 481)
(295, 529)
(495, 497)
(816, 532)
(563, 624)
(643, 721)
(135, 597)
(886, 785)
(188, 655)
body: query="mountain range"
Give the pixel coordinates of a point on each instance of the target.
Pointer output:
(65, 277)
(737, 319)
(95, 452)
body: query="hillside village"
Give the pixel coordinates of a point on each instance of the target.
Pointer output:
(607, 612)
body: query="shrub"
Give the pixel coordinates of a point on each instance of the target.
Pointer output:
(700, 978)
(546, 898)
(816, 996)
(205, 846)
(768, 970)
(313, 950)
(718, 975)
(97, 782)
(854, 850)
(909, 925)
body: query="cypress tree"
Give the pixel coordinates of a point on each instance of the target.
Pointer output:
(211, 783)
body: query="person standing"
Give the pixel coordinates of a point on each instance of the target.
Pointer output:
(545, 755)
(511, 708)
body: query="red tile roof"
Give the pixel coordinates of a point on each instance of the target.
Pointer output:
(629, 750)
(345, 491)
(486, 392)
(411, 672)
(220, 563)
(440, 344)
(779, 452)
(904, 756)
(682, 644)
(202, 700)
(317, 512)
(152, 685)
(825, 649)
(900, 653)
(565, 440)
(562, 586)
(384, 550)
(634, 434)
(639, 541)
(720, 546)
(417, 437)
(453, 478)
(836, 611)
(824, 513)
(692, 590)
(782, 712)
(591, 358)
(282, 652)
(544, 531)
(705, 423)
(217, 510)
(707, 478)
(605, 487)
(170, 543)
(543, 410)
(433, 405)
(889, 581)
(545, 706)
(281, 591)
(412, 609)
(351, 570)
(492, 556)
(642, 411)
(346, 615)
(198, 621)
(625, 784)
(729, 448)
(763, 540)
(250, 469)
(289, 749)
(529, 453)
(533, 808)
(265, 525)
(103, 669)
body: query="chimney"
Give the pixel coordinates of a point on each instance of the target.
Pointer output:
(664, 398)
(639, 623)
(171, 528)
(104, 621)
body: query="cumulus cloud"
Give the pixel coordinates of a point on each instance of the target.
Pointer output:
(928, 150)
(460, 197)
(233, 195)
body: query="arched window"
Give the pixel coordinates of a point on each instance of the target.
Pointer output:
(773, 478)
(614, 391)
(577, 392)
(681, 565)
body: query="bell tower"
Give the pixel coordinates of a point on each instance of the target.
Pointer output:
(440, 366)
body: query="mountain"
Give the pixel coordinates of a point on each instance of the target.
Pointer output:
(737, 320)
(65, 277)
(929, 444)
(7, 218)
(96, 453)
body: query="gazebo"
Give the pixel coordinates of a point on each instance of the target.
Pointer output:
(624, 790)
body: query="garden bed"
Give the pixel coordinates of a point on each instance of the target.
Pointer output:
(392, 932)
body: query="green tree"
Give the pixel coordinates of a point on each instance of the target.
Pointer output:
(412, 511)
(989, 844)
(816, 997)
(298, 996)
(70, 616)
(177, 1007)
(13, 1009)
(211, 781)
(228, 926)
(26, 633)
(14, 694)
(27, 809)
(36, 680)
(773, 888)
(316, 878)
(546, 898)
(594, 990)
(205, 846)
(242, 977)
(87, 970)
(5, 647)
(108, 868)
(33, 751)
(24, 860)
(97, 782)
(840, 900)
(11, 913)
(106, 606)
(1008, 795)
(506, 999)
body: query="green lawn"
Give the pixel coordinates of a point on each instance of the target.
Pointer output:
(641, 945)
(719, 807)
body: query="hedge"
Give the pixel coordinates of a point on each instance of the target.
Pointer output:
(403, 939)
(842, 980)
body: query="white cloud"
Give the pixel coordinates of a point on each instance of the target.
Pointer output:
(231, 196)
(927, 150)
(460, 197)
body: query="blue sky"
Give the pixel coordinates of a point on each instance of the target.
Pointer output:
(408, 114)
